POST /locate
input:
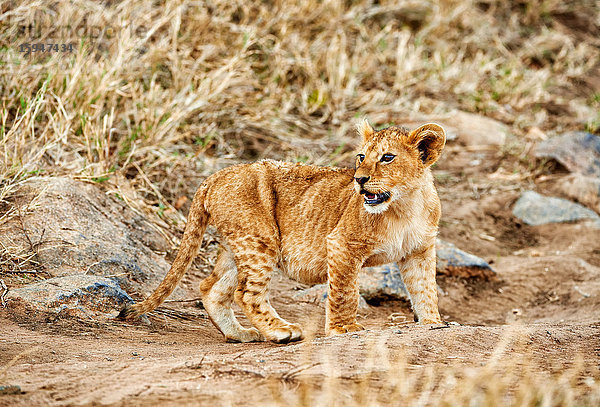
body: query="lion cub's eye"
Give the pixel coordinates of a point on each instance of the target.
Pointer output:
(386, 158)
(361, 158)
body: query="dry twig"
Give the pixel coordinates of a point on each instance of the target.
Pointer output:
(4, 293)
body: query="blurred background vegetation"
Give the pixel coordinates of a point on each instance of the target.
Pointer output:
(156, 95)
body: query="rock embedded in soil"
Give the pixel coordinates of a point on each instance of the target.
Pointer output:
(582, 188)
(385, 282)
(76, 295)
(452, 261)
(382, 282)
(477, 130)
(535, 209)
(577, 151)
(78, 229)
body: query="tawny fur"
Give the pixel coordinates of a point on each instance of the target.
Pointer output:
(315, 224)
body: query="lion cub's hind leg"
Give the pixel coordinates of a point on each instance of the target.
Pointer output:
(217, 291)
(256, 261)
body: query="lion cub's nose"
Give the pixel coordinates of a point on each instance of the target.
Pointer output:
(362, 180)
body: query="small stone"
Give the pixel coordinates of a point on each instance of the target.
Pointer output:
(535, 209)
(577, 151)
(452, 261)
(10, 389)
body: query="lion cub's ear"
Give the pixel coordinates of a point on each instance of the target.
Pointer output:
(365, 130)
(429, 139)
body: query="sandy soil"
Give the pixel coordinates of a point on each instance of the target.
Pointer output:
(543, 306)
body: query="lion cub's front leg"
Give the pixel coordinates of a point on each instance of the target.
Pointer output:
(342, 294)
(418, 273)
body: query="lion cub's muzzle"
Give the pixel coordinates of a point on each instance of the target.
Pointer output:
(370, 197)
(374, 199)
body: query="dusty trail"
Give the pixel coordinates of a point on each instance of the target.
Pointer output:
(175, 361)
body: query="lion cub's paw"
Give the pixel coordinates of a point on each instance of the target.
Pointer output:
(354, 327)
(285, 334)
(246, 335)
(430, 321)
(337, 330)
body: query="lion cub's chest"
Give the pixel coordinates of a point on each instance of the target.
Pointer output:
(401, 238)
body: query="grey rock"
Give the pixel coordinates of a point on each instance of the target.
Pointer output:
(317, 294)
(81, 230)
(382, 282)
(577, 151)
(454, 262)
(535, 209)
(77, 295)
(582, 188)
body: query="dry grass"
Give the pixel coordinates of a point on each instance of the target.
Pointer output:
(510, 376)
(506, 384)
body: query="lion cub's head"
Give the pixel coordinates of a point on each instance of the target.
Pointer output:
(391, 162)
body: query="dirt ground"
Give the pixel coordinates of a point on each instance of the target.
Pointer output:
(543, 307)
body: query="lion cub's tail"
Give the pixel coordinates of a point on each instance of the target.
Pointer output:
(192, 238)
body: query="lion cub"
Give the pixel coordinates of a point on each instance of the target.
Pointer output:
(316, 224)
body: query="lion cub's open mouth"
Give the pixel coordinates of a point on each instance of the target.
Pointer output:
(375, 199)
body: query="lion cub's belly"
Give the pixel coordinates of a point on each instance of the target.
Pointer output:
(304, 257)
(303, 261)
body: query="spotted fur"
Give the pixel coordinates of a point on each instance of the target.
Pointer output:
(314, 223)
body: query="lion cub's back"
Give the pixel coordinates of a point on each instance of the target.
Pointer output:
(298, 203)
(270, 182)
